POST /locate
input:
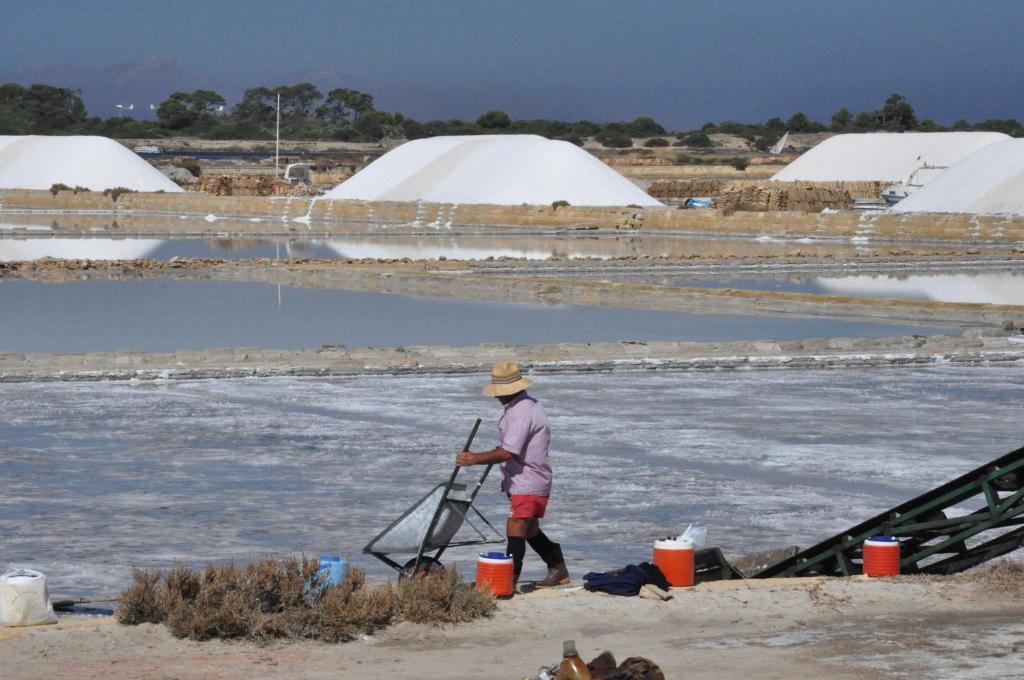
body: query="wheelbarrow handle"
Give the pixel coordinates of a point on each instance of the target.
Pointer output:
(444, 498)
(469, 443)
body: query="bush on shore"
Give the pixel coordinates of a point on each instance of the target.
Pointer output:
(275, 599)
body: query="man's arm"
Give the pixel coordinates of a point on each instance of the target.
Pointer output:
(495, 455)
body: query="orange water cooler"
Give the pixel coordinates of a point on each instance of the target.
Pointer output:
(881, 556)
(495, 572)
(675, 559)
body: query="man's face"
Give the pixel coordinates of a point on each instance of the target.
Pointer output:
(504, 399)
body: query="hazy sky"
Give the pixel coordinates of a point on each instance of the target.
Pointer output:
(682, 62)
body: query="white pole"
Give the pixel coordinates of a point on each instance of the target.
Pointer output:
(277, 143)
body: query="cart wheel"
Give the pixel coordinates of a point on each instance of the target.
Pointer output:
(428, 565)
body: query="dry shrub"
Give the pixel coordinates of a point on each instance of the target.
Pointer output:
(287, 599)
(1003, 575)
(442, 598)
(470, 603)
(114, 192)
(142, 602)
(362, 610)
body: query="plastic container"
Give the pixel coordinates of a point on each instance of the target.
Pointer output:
(334, 569)
(25, 599)
(495, 571)
(675, 559)
(573, 667)
(881, 556)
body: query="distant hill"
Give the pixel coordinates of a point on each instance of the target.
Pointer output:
(138, 83)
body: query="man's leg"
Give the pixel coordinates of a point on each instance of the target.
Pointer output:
(551, 553)
(516, 531)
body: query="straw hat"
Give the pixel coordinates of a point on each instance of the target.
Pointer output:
(506, 380)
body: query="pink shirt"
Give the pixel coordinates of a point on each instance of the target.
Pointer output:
(524, 432)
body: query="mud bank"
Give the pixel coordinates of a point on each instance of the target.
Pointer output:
(969, 349)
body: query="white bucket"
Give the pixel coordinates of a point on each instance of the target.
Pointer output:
(24, 599)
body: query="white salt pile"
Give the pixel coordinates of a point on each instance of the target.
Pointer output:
(885, 156)
(491, 169)
(96, 163)
(989, 181)
(7, 139)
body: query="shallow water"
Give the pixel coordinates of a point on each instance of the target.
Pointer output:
(999, 288)
(100, 478)
(162, 315)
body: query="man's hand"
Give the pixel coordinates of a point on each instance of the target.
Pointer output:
(465, 459)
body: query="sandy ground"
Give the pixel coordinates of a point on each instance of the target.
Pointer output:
(841, 628)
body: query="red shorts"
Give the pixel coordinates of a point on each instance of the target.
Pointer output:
(527, 506)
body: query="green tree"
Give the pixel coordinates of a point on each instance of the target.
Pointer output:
(897, 114)
(697, 140)
(584, 128)
(183, 110)
(841, 119)
(798, 122)
(866, 120)
(257, 107)
(173, 112)
(494, 120)
(40, 109)
(345, 105)
(644, 126)
(614, 139)
(297, 101)
(205, 102)
(1008, 126)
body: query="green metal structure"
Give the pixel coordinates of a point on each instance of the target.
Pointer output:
(931, 542)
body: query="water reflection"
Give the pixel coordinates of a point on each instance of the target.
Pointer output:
(77, 249)
(997, 288)
(1004, 288)
(461, 247)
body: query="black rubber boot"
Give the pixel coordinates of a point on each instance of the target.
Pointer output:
(551, 553)
(517, 549)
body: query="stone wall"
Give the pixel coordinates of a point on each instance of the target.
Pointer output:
(298, 212)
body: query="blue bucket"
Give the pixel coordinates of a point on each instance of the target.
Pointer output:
(333, 569)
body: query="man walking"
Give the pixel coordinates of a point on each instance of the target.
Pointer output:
(522, 453)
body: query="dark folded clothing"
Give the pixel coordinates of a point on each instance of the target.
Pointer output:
(626, 581)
